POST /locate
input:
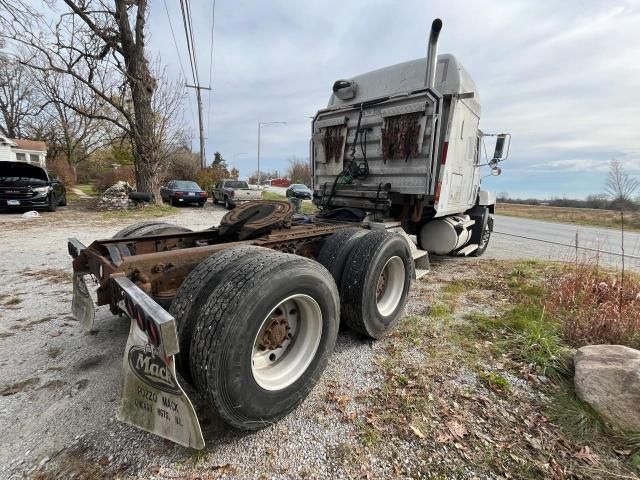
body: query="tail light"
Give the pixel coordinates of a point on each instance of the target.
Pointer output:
(445, 149)
(203, 194)
(178, 194)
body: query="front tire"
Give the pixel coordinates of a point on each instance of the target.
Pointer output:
(258, 360)
(376, 283)
(484, 243)
(53, 203)
(227, 205)
(63, 202)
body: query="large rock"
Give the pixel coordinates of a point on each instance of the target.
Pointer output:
(608, 378)
(116, 197)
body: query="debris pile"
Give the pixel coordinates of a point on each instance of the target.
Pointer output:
(116, 197)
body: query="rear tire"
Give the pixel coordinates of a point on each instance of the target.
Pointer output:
(336, 249)
(145, 229)
(376, 283)
(227, 205)
(195, 291)
(251, 387)
(63, 202)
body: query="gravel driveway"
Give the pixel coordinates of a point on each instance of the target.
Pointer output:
(59, 385)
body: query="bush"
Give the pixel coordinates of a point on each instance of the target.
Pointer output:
(106, 179)
(61, 168)
(595, 306)
(208, 177)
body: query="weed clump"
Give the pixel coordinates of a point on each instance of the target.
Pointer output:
(594, 306)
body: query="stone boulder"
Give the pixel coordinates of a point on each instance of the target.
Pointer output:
(607, 377)
(116, 197)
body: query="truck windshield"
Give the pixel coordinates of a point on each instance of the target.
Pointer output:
(236, 184)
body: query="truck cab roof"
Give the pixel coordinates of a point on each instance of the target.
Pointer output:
(451, 79)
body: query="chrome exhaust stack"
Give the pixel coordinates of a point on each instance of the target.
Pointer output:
(432, 53)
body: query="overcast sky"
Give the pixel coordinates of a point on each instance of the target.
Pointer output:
(562, 77)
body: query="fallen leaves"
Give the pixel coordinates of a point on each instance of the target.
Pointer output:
(586, 455)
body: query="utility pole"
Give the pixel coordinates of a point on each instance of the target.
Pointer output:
(203, 158)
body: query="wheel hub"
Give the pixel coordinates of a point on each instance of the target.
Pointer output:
(275, 334)
(382, 283)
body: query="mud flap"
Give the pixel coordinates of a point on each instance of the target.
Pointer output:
(152, 399)
(82, 306)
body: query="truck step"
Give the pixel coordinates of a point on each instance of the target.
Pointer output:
(472, 247)
(421, 272)
(420, 257)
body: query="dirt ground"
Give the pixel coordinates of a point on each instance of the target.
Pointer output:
(59, 389)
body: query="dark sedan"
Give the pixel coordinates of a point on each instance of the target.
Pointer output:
(27, 186)
(299, 190)
(183, 191)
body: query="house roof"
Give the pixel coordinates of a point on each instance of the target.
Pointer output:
(34, 145)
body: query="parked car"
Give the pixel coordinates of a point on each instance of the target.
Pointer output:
(299, 190)
(234, 192)
(176, 192)
(24, 185)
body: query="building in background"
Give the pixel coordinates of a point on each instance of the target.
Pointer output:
(27, 151)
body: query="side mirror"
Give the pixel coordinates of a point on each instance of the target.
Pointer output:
(501, 152)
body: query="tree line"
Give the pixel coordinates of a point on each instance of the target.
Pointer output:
(618, 193)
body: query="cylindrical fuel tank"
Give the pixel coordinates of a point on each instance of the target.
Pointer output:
(442, 236)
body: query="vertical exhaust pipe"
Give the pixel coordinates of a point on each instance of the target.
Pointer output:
(432, 53)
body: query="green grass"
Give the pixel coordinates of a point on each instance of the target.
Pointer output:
(495, 381)
(152, 211)
(86, 188)
(308, 208)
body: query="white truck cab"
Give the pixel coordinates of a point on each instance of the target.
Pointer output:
(403, 143)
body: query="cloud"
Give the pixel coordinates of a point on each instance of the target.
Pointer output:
(561, 77)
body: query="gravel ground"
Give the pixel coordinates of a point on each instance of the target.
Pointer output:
(59, 386)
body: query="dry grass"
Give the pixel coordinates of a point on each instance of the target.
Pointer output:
(580, 216)
(595, 306)
(464, 391)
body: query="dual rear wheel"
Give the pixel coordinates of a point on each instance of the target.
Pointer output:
(257, 328)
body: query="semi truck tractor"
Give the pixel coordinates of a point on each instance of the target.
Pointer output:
(403, 143)
(247, 313)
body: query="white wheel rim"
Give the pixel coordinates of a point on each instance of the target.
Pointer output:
(286, 342)
(390, 286)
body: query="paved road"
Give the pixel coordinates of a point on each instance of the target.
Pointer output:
(607, 240)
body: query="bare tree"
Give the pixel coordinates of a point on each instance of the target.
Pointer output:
(103, 47)
(76, 135)
(17, 97)
(299, 171)
(620, 186)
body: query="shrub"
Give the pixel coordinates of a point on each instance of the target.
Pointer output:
(595, 306)
(208, 177)
(106, 179)
(61, 168)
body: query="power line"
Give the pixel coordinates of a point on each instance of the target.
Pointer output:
(186, 33)
(185, 9)
(213, 19)
(175, 43)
